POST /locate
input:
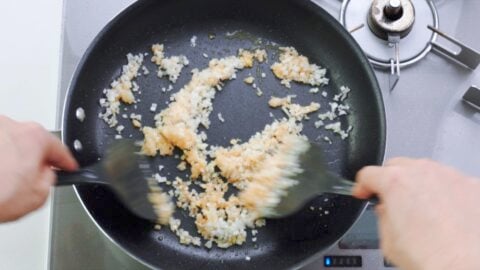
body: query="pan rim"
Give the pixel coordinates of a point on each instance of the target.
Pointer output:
(377, 93)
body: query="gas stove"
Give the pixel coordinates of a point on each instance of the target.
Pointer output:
(424, 54)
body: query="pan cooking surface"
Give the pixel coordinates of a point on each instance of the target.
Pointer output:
(282, 243)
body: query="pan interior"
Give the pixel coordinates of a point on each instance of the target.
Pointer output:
(282, 243)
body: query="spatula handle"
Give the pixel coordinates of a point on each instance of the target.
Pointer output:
(80, 177)
(374, 200)
(345, 187)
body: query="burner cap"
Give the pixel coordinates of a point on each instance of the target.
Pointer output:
(393, 10)
(391, 17)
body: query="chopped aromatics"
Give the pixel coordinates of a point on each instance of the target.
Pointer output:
(159, 179)
(224, 220)
(136, 116)
(296, 67)
(260, 167)
(193, 41)
(233, 33)
(121, 90)
(293, 111)
(165, 89)
(276, 102)
(220, 117)
(208, 244)
(171, 66)
(319, 124)
(343, 94)
(153, 107)
(330, 115)
(183, 235)
(248, 57)
(136, 123)
(120, 128)
(177, 125)
(182, 166)
(314, 90)
(249, 80)
(217, 219)
(260, 222)
(259, 91)
(337, 129)
(145, 70)
(162, 204)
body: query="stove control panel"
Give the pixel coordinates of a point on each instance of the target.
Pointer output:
(358, 249)
(342, 261)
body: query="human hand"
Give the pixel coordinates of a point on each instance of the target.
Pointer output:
(429, 214)
(27, 154)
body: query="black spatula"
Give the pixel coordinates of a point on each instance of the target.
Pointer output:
(313, 179)
(128, 174)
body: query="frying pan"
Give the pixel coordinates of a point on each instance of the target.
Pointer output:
(284, 243)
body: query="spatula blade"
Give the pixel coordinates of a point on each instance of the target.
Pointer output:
(128, 172)
(313, 180)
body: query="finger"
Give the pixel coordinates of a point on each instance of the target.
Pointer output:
(45, 147)
(370, 181)
(384, 233)
(6, 122)
(58, 155)
(48, 178)
(399, 161)
(42, 187)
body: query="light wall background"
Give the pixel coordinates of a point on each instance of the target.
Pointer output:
(29, 62)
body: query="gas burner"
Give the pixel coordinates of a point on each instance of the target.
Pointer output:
(413, 24)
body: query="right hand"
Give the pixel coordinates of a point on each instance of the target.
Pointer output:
(27, 154)
(429, 214)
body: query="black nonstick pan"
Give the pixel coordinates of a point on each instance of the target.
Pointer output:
(283, 243)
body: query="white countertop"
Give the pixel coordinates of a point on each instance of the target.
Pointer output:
(29, 61)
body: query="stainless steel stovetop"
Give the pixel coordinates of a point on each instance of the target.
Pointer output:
(425, 118)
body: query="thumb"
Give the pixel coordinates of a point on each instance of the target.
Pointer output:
(370, 181)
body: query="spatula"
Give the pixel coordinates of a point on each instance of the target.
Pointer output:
(122, 170)
(314, 180)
